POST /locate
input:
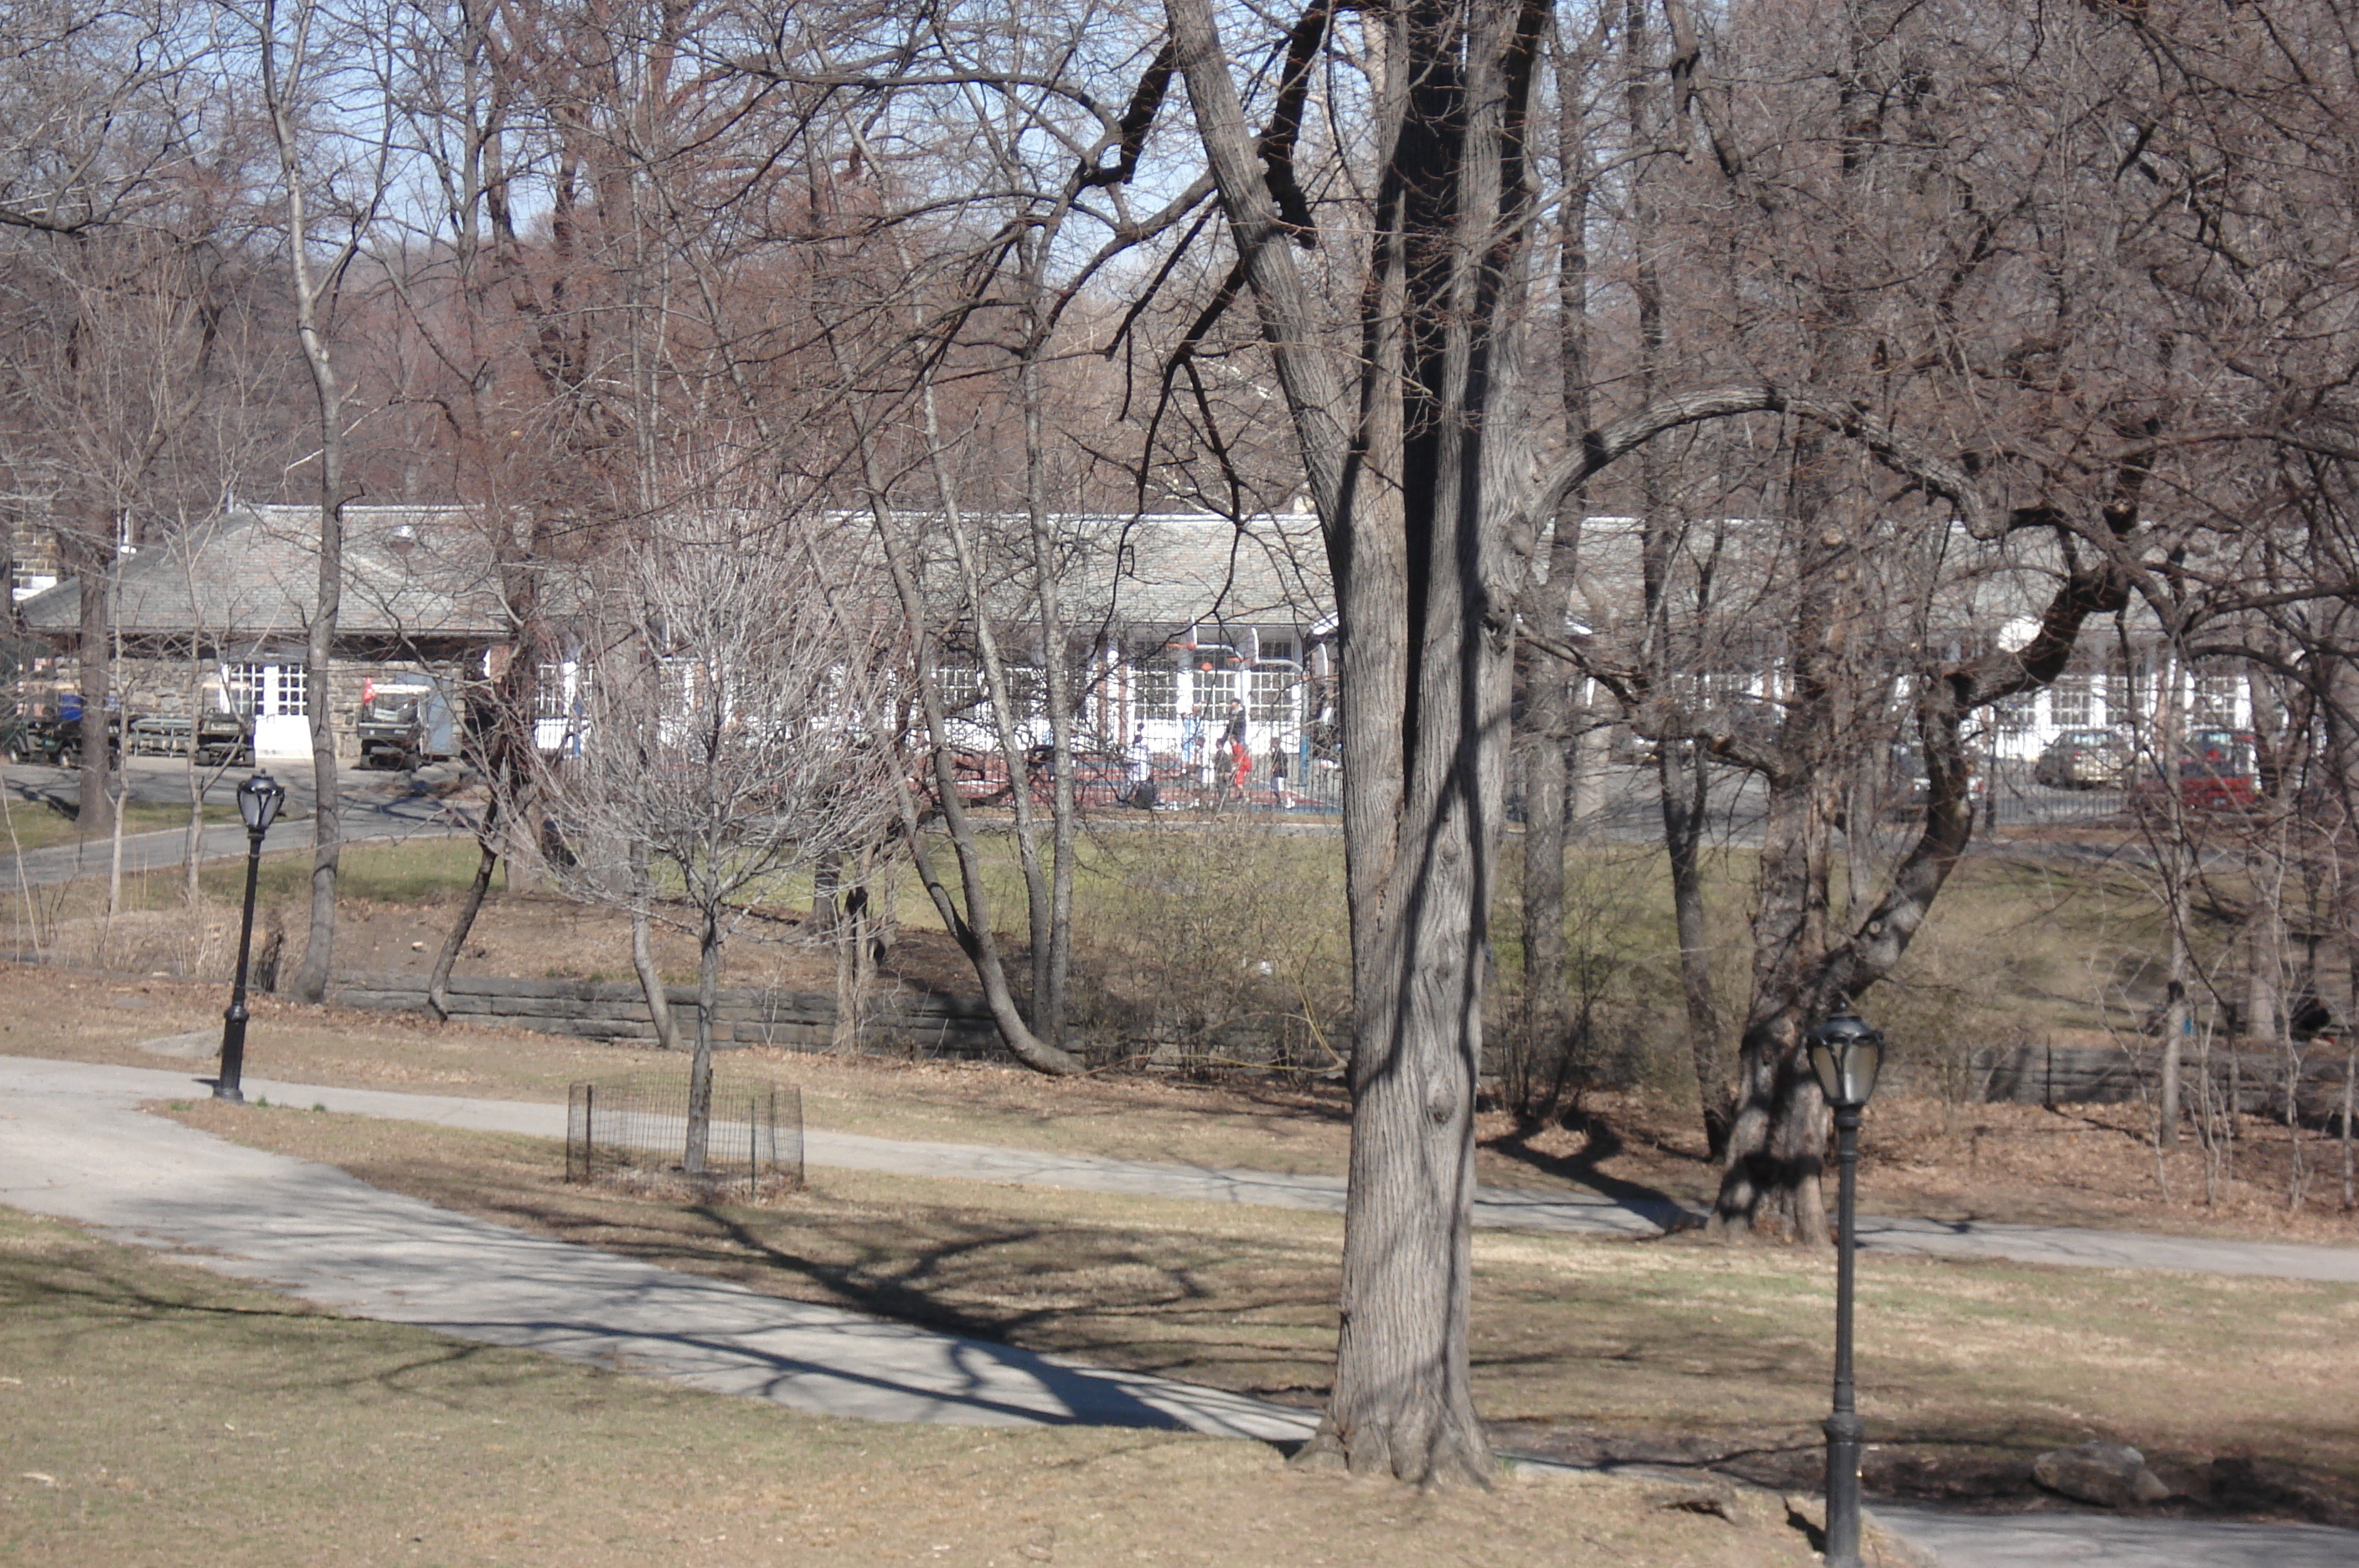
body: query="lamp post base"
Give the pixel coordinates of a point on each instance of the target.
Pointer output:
(232, 1057)
(1844, 1435)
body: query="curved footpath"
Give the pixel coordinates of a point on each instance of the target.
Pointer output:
(73, 1145)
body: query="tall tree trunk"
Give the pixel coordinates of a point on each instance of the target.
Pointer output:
(487, 857)
(193, 837)
(1000, 695)
(1684, 778)
(1682, 769)
(1052, 948)
(311, 287)
(856, 952)
(93, 561)
(699, 1065)
(642, 961)
(2175, 860)
(969, 927)
(1546, 730)
(1412, 501)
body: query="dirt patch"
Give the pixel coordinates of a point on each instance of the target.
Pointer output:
(1675, 1352)
(159, 1414)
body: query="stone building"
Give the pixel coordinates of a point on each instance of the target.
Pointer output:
(214, 620)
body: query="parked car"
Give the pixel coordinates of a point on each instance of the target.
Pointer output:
(2083, 759)
(2218, 770)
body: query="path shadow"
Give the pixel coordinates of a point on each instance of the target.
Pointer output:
(1601, 1142)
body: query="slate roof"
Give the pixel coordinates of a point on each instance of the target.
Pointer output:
(252, 573)
(1172, 571)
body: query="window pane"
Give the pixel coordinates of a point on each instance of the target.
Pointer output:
(1272, 700)
(2069, 703)
(961, 686)
(1214, 691)
(1155, 693)
(2215, 699)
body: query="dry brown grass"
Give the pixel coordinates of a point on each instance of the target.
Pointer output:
(1583, 1348)
(158, 1414)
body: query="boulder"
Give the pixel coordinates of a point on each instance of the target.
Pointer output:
(2110, 1475)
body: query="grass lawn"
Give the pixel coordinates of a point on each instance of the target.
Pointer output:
(1585, 1348)
(157, 1414)
(40, 826)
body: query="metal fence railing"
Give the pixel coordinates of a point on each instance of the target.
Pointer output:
(753, 1139)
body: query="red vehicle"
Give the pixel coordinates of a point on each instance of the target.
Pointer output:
(2217, 772)
(1101, 778)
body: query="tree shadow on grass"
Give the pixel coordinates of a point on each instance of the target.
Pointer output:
(1077, 1290)
(1601, 1143)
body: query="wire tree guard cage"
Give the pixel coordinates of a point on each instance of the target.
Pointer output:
(638, 1126)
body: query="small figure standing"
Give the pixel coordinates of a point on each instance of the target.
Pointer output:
(1140, 786)
(1192, 739)
(1277, 795)
(1240, 752)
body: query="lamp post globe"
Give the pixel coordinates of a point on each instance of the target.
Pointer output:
(258, 800)
(1845, 1055)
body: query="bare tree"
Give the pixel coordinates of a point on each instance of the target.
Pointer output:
(112, 294)
(301, 47)
(757, 747)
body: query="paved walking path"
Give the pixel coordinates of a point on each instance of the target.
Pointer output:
(1582, 1213)
(73, 1145)
(2068, 1540)
(376, 806)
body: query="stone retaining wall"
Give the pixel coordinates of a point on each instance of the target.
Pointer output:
(2064, 1075)
(801, 1020)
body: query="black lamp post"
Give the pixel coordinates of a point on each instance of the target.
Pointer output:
(1845, 1056)
(258, 800)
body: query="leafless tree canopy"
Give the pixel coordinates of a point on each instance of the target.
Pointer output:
(1771, 384)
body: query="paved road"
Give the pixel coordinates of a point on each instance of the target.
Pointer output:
(376, 806)
(72, 1145)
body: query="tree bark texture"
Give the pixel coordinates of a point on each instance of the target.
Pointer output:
(91, 557)
(1414, 473)
(487, 858)
(969, 927)
(1682, 775)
